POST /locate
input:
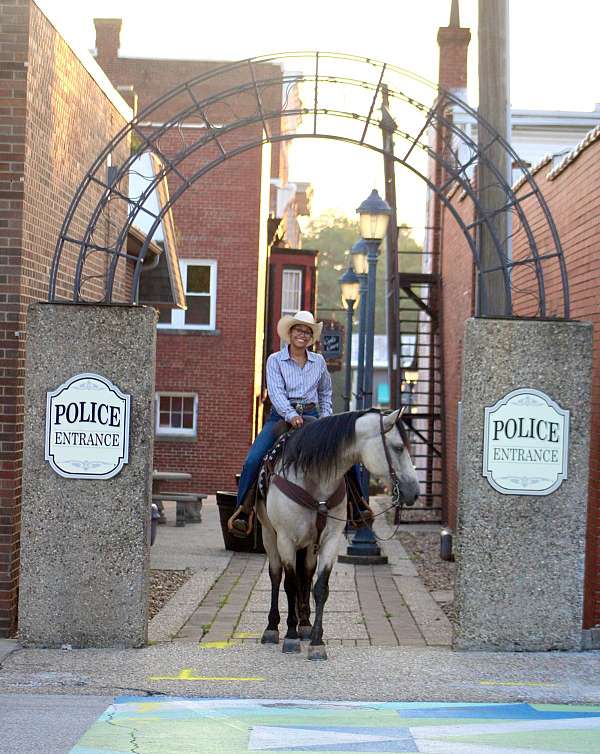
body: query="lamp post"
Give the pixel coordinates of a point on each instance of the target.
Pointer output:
(359, 254)
(374, 215)
(349, 288)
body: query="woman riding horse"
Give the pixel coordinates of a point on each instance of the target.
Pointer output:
(299, 385)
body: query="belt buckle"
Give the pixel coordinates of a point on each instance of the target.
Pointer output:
(299, 408)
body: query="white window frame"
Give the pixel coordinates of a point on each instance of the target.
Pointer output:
(295, 271)
(178, 315)
(174, 431)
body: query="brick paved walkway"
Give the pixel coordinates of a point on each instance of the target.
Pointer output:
(365, 607)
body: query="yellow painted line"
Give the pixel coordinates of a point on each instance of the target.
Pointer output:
(516, 683)
(187, 675)
(245, 635)
(218, 644)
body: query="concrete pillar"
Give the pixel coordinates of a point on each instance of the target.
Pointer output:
(520, 557)
(85, 541)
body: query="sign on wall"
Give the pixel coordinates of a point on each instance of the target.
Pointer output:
(87, 428)
(526, 443)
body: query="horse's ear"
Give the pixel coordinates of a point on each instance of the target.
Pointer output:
(389, 420)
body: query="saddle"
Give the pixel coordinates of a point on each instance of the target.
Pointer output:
(359, 512)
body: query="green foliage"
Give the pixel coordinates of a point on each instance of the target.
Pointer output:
(334, 235)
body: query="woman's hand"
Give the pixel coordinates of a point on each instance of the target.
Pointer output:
(297, 422)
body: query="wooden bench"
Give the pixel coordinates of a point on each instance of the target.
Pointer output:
(187, 505)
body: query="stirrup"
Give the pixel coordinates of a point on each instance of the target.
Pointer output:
(239, 528)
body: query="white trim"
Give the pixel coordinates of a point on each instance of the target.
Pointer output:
(174, 431)
(297, 274)
(178, 315)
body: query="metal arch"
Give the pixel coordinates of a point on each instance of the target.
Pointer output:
(435, 117)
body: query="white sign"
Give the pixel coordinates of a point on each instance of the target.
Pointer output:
(87, 428)
(526, 444)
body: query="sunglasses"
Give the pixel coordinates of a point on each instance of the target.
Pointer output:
(302, 333)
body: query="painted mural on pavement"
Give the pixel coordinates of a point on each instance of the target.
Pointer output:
(178, 725)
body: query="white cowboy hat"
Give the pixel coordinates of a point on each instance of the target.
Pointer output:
(286, 323)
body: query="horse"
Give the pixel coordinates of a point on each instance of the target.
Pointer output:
(304, 514)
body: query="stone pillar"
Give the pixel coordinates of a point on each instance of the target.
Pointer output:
(85, 542)
(520, 558)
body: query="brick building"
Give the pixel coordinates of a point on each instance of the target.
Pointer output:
(57, 111)
(571, 188)
(210, 358)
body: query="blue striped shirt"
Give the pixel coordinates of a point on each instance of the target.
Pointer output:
(286, 380)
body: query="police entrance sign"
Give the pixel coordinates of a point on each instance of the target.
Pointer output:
(526, 443)
(87, 428)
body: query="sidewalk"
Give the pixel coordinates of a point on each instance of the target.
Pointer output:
(387, 640)
(228, 597)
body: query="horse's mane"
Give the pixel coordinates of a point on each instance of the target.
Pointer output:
(318, 445)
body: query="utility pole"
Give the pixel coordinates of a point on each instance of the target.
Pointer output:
(392, 292)
(493, 290)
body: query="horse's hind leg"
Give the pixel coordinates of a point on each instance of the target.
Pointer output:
(305, 569)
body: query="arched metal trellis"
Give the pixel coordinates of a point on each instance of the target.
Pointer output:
(239, 106)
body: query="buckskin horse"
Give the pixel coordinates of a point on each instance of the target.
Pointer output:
(304, 514)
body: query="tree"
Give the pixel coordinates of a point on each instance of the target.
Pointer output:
(333, 235)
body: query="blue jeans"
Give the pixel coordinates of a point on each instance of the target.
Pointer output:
(260, 447)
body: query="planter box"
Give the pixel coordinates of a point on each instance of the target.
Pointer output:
(252, 543)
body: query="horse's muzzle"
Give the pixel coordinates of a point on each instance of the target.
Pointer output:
(409, 494)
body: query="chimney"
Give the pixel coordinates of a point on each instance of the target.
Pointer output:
(108, 38)
(454, 44)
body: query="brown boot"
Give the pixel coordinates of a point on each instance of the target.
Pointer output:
(241, 522)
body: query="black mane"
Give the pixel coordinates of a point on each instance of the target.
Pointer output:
(318, 445)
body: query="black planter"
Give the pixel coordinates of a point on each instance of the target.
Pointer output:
(253, 542)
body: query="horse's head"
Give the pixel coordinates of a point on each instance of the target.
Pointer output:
(384, 450)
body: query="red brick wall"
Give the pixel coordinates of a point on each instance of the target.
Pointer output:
(221, 218)
(573, 197)
(53, 121)
(152, 79)
(457, 306)
(218, 218)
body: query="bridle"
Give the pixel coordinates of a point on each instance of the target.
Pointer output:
(396, 494)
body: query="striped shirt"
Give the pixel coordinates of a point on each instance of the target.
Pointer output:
(289, 383)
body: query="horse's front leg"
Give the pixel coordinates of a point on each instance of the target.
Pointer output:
(327, 557)
(306, 562)
(287, 552)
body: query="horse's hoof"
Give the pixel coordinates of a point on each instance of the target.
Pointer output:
(317, 652)
(291, 645)
(270, 637)
(305, 632)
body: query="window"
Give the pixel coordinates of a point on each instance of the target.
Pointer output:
(199, 278)
(291, 291)
(176, 414)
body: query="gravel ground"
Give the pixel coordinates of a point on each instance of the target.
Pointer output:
(163, 585)
(437, 574)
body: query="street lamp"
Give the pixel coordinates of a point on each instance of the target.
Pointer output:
(374, 214)
(349, 288)
(358, 254)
